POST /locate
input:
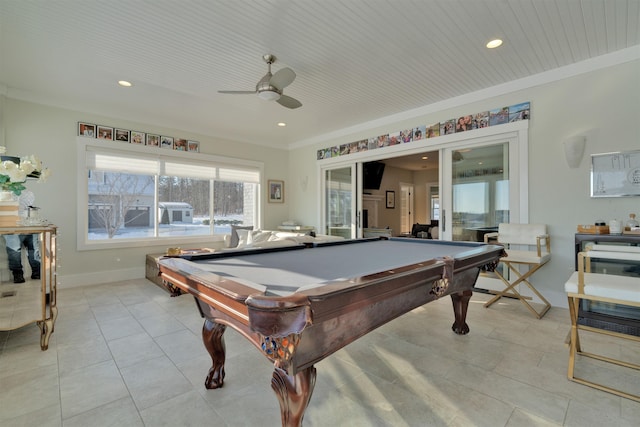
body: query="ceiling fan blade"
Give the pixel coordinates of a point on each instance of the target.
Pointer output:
(283, 78)
(289, 102)
(238, 92)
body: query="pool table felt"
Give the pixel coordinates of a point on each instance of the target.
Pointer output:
(287, 272)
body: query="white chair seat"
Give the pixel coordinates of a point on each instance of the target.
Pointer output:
(526, 257)
(606, 286)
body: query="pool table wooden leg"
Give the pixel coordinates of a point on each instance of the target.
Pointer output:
(460, 304)
(294, 393)
(213, 338)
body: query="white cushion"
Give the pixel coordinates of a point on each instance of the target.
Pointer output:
(435, 233)
(526, 257)
(243, 238)
(234, 234)
(624, 288)
(279, 235)
(259, 236)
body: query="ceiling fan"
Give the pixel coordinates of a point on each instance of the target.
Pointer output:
(271, 85)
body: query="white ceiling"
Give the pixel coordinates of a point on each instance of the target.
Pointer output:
(356, 60)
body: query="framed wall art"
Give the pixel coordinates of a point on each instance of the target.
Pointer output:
(87, 129)
(193, 146)
(391, 200)
(166, 142)
(122, 135)
(275, 190)
(615, 174)
(153, 140)
(137, 137)
(105, 133)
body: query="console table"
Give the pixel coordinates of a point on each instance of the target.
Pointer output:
(35, 300)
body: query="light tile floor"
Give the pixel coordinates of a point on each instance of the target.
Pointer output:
(126, 354)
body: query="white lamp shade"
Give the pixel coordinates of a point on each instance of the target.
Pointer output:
(573, 150)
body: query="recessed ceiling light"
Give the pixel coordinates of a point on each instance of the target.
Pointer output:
(494, 43)
(424, 157)
(124, 83)
(282, 124)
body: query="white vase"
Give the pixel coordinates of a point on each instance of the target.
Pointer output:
(6, 196)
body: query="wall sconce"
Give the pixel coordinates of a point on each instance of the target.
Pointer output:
(574, 149)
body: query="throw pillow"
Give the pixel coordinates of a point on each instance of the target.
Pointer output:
(235, 239)
(260, 236)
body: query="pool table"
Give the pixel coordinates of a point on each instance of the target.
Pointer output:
(300, 304)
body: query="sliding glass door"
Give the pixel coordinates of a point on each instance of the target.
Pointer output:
(339, 202)
(478, 181)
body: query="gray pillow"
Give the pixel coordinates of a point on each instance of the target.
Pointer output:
(234, 234)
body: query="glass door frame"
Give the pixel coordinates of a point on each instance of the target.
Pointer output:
(516, 133)
(356, 197)
(518, 146)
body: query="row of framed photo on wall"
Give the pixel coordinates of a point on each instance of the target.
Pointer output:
(107, 133)
(468, 122)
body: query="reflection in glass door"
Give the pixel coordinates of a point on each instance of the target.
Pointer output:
(339, 201)
(480, 191)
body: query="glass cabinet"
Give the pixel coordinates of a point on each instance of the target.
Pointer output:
(603, 315)
(28, 290)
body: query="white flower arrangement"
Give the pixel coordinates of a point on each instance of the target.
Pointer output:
(14, 172)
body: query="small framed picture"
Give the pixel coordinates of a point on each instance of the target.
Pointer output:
(153, 140)
(193, 146)
(391, 199)
(137, 137)
(122, 135)
(180, 144)
(166, 142)
(105, 133)
(275, 190)
(86, 129)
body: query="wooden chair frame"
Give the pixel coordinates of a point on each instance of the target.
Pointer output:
(513, 260)
(598, 284)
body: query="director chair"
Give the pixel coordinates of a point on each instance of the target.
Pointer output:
(534, 237)
(607, 288)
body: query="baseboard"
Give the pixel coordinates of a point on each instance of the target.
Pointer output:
(99, 277)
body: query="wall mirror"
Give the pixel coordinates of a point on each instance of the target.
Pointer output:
(20, 303)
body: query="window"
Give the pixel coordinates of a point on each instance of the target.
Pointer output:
(137, 195)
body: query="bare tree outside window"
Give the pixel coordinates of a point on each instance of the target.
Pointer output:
(119, 199)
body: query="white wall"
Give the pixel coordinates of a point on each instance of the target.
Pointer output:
(50, 133)
(602, 104)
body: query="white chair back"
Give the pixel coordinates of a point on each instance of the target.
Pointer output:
(520, 234)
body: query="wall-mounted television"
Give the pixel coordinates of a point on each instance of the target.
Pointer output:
(372, 175)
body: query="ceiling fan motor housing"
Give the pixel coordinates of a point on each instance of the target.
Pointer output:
(267, 91)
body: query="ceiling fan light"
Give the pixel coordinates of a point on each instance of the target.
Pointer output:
(269, 95)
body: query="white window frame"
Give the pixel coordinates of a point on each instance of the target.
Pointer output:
(226, 166)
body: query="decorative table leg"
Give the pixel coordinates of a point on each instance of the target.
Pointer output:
(54, 316)
(212, 336)
(460, 306)
(46, 328)
(294, 393)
